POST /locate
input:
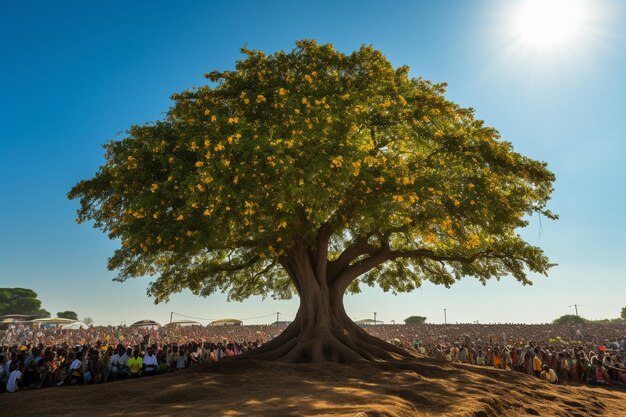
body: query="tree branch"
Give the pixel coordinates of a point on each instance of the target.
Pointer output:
(359, 248)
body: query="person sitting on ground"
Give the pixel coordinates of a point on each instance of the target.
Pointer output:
(150, 363)
(135, 364)
(76, 374)
(15, 377)
(549, 375)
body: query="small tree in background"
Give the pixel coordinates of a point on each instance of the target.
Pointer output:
(415, 320)
(67, 315)
(88, 320)
(623, 313)
(312, 173)
(570, 319)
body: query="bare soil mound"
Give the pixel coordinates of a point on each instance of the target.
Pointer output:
(414, 387)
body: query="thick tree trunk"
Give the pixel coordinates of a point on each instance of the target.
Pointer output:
(322, 331)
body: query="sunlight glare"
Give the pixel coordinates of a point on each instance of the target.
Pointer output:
(549, 23)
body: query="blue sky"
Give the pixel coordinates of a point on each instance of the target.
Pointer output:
(74, 75)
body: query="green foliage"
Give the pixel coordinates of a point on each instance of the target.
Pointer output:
(67, 315)
(285, 146)
(415, 320)
(623, 315)
(20, 301)
(570, 319)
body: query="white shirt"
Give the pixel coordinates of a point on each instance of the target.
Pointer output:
(12, 384)
(149, 361)
(113, 361)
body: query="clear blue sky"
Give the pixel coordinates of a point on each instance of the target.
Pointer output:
(74, 75)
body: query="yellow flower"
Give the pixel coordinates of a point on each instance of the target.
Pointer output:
(308, 78)
(470, 186)
(154, 187)
(261, 98)
(336, 162)
(282, 91)
(219, 147)
(199, 164)
(180, 217)
(279, 206)
(233, 120)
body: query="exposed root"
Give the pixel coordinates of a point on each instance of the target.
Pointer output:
(336, 345)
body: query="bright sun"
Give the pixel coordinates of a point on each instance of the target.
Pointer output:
(549, 24)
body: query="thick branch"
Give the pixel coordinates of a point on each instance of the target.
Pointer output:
(360, 267)
(360, 247)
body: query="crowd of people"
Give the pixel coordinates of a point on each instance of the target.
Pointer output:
(580, 354)
(47, 357)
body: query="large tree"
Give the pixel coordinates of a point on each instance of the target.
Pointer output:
(314, 172)
(20, 301)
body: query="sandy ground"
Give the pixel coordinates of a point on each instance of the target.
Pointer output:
(419, 387)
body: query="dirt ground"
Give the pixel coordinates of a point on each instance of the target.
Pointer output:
(418, 387)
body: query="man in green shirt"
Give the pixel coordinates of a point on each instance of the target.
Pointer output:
(135, 364)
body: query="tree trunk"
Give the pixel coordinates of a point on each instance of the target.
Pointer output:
(322, 331)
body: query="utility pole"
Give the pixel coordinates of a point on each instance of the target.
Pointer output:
(277, 315)
(445, 317)
(374, 318)
(576, 308)
(171, 315)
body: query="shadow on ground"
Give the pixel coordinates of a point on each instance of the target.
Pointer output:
(416, 387)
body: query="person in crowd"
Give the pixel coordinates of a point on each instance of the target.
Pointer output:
(150, 363)
(135, 364)
(14, 382)
(549, 375)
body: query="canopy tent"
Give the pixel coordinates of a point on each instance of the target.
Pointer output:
(226, 322)
(53, 320)
(78, 325)
(149, 324)
(183, 323)
(368, 322)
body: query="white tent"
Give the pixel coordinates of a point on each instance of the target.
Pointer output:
(78, 325)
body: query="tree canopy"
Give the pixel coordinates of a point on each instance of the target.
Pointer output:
(20, 301)
(67, 315)
(213, 195)
(415, 320)
(314, 164)
(570, 319)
